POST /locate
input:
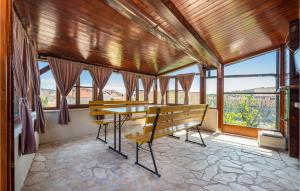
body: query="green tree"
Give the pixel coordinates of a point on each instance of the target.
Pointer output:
(244, 112)
(45, 101)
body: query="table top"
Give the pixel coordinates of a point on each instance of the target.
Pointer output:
(129, 109)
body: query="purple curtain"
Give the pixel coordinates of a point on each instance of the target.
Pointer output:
(147, 83)
(163, 85)
(186, 81)
(65, 73)
(35, 81)
(100, 76)
(130, 83)
(20, 59)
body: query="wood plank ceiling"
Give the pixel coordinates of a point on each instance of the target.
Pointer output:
(156, 36)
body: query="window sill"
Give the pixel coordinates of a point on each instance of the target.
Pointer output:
(18, 126)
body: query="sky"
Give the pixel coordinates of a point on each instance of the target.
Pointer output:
(263, 64)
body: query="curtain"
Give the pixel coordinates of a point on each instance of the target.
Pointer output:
(20, 59)
(65, 73)
(130, 83)
(100, 76)
(163, 85)
(186, 81)
(35, 81)
(147, 83)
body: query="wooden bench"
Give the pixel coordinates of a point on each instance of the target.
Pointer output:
(96, 109)
(166, 120)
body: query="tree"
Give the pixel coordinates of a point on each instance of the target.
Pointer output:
(45, 101)
(244, 113)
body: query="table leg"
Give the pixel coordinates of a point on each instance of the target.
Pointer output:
(115, 137)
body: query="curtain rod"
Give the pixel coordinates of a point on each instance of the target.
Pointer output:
(44, 58)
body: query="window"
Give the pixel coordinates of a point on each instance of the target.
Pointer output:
(171, 91)
(194, 93)
(114, 89)
(48, 87)
(158, 93)
(250, 97)
(86, 87)
(141, 90)
(211, 88)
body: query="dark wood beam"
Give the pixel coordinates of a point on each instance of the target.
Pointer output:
(220, 95)
(282, 93)
(44, 70)
(6, 96)
(203, 87)
(169, 12)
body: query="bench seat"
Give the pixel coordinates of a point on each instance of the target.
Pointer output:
(145, 137)
(103, 121)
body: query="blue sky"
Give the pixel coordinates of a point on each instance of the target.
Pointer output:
(258, 65)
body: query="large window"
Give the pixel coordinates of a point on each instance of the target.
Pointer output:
(250, 97)
(141, 90)
(211, 88)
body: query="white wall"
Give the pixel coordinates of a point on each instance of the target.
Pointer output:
(22, 162)
(81, 124)
(210, 122)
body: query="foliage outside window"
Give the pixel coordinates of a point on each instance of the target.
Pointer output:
(250, 97)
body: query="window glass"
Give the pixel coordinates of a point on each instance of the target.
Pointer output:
(158, 93)
(250, 84)
(194, 93)
(114, 89)
(71, 97)
(171, 91)
(251, 110)
(211, 92)
(48, 88)
(263, 64)
(86, 87)
(141, 90)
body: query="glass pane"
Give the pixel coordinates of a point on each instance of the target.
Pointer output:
(211, 92)
(71, 98)
(262, 64)
(158, 93)
(250, 110)
(48, 90)
(211, 73)
(250, 84)
(86, 79)
(171, 84)
(180, 97)
(114, 89)
(194, 98)
(141, 95)
(141, 87)
(86, 95)
(151, 96)
(42, 64)
(171, 96)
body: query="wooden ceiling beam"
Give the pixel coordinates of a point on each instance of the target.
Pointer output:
(168, 11)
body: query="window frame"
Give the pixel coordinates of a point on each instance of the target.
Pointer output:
(276, 93)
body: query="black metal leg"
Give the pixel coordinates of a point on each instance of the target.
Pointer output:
(115, 137)
(153, 160)
(120, 133)
(173, 136)
(105, 127)
(99, 130)
(115, 131)
(201, 144)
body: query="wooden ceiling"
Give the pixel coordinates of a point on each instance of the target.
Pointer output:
(156, 36)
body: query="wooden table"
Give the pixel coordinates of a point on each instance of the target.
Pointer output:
(123, 111)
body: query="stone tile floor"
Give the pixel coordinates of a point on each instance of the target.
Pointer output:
(227, 163)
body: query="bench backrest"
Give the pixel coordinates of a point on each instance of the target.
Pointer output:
(165, 117)
(97, 106)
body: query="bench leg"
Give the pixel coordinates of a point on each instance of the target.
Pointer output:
(155, 171)
(187, 138)
(173, 136)
(99, 130)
